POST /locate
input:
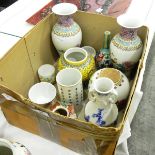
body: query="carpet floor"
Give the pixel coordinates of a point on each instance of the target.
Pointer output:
(142, 141)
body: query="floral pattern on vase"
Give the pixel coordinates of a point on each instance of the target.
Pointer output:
(99, 117)
(66, 33)
(126, 46)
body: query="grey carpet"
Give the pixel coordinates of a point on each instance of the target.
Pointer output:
(142, 141)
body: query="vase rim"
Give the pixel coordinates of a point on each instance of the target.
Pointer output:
(73, 50)
(64, 9)
(127, 21)
(107, 80)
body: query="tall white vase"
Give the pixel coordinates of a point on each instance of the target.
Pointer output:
(66, 33)
(126, 46)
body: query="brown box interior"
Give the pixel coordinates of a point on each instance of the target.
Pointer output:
(18, 72)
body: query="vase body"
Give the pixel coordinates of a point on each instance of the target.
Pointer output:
(101, 108)
(103, 55)
(66, 33)
(12, 148)
(78, 58)
(120, 80)
(126, 46)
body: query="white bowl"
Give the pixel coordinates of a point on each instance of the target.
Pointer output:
(42, 93)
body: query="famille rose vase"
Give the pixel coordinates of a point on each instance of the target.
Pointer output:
(126, 46)
(66, 33)
(103, 55)
(101, 108)
(78, 58)
(12, 148)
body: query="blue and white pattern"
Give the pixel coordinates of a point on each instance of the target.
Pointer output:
(99, 116)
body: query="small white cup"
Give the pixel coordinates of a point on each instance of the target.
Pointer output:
(46, 73)
(70, 88)
(42, 93)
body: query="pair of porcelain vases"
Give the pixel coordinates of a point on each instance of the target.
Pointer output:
(124, 52)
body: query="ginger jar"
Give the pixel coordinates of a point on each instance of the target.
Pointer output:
(66, 33)
(78, 58)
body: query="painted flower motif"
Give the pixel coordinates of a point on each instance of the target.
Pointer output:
(65, 20)
(99, 116)
(71, 109)
(87, 118)
(100, 57)
(128, 65)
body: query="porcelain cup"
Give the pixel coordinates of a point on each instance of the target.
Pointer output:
(42, 93)
(46, 73)
(70, 88)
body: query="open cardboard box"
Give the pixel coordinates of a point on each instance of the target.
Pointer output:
(18, 72)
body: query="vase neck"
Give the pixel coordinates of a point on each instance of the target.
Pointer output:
(128, 33)
(106, 42)
(66, 20)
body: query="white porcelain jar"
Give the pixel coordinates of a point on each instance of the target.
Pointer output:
(12, 148)
(66, 33)
(121, 82)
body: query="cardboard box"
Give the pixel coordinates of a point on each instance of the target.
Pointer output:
(18, 71)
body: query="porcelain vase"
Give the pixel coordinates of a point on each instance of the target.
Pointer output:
(101, 108)
(66, 33)
(12, 148)
(126, 46)
(120, 80)
(78, 58)
(103, 55)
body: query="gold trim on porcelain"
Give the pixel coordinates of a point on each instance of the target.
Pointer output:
(112, 74)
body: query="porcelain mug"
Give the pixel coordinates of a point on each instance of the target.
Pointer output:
(103, 91)
(70, 88)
